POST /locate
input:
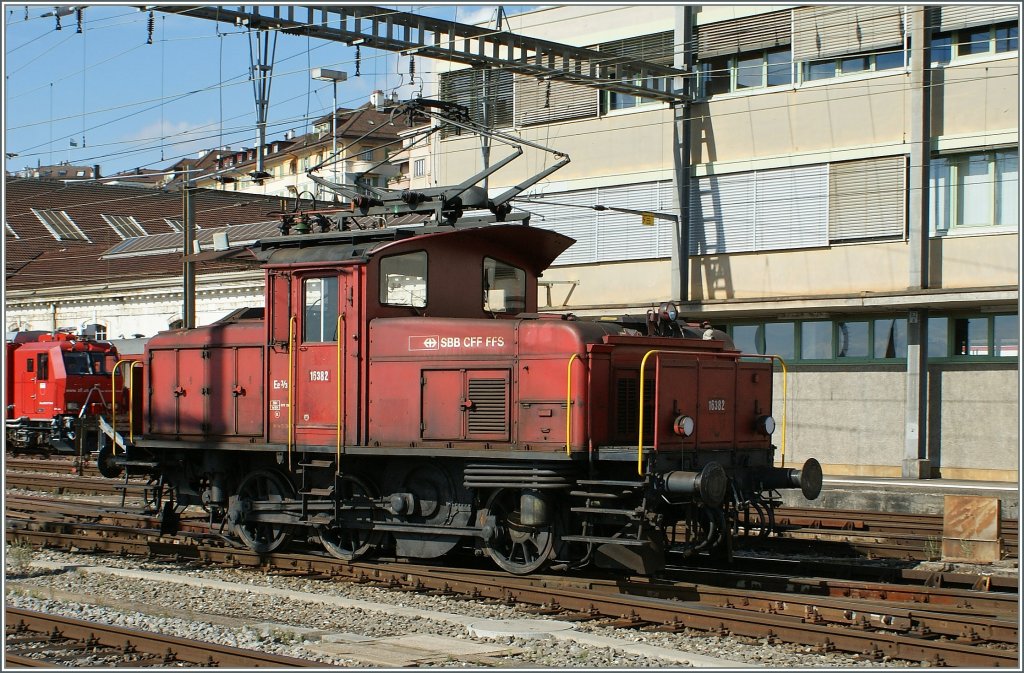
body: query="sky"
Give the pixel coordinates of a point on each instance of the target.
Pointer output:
(107, 96)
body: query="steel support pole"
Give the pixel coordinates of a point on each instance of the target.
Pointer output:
(334, 129)
(188, 310)
(681, 155)
(916, 463)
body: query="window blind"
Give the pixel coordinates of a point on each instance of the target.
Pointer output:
(546, 101)
(867, 199)
(608, 236)
(467, 87)
(955, 17)
(825, 31)
(759, 210)
(750, 33)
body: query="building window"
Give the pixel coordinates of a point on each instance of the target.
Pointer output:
(853, 339)
(999, 39)
(974, 191)
(816, 340)
(60, 225)
(883, 340)
(890, 338)
(366, 154)
(403, 280)
(654, 48)
(419, 168)
(852, 65)
(126, 226)
(175, 225)
(320, 309)
(973, 337)
(752, 70)
(10, 230)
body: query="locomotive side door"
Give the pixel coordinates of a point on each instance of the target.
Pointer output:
(319, 375)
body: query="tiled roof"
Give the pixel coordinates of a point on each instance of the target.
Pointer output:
(37, 260)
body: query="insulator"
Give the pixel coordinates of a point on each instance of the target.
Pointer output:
(78, 16)
(58, 21)
(149, 27)
(412, 68)
(357, 60)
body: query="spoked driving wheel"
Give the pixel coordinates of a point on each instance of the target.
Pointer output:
(342, 538)
(261, 490)
(515, 547)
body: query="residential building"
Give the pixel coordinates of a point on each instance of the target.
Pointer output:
(365, 140)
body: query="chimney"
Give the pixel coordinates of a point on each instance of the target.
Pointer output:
(96, 171)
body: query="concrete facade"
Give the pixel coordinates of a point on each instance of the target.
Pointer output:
(852, 415)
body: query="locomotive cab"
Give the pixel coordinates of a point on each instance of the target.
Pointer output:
(400, 392)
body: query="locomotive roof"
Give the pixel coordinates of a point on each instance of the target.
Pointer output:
(541, 246)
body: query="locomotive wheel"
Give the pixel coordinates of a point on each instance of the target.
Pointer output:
(349, 544)
(263, 486)
(514, 547)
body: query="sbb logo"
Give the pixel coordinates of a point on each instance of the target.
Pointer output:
(423, 343)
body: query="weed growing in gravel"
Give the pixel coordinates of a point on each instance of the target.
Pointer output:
(19, 557)
(284, 637)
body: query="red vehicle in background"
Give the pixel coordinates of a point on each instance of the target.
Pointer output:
(57, 387)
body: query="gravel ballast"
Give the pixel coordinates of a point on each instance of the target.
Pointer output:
(295, 617)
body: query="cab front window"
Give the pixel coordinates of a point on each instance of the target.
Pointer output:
(81, 363)
(320, 309)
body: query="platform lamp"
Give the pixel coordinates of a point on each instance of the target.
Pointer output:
(332, 76)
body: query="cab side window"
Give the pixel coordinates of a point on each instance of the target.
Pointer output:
(504, 287)
(403, 280)
(43, 367)
(320, 309)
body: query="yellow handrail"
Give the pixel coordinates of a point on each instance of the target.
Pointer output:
(640, 434)
(338, 336)
(131, 400)
(782, 362)
(291, 387)
(568, 404)
(113, 397)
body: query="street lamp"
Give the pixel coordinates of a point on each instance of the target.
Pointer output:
(332, 76)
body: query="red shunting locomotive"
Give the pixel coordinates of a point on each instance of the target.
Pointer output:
(401, 395)
(58, 388)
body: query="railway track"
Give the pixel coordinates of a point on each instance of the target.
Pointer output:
(939, 625)
(34, 639)
(61, 465)
(800, 530)
(876, 534)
